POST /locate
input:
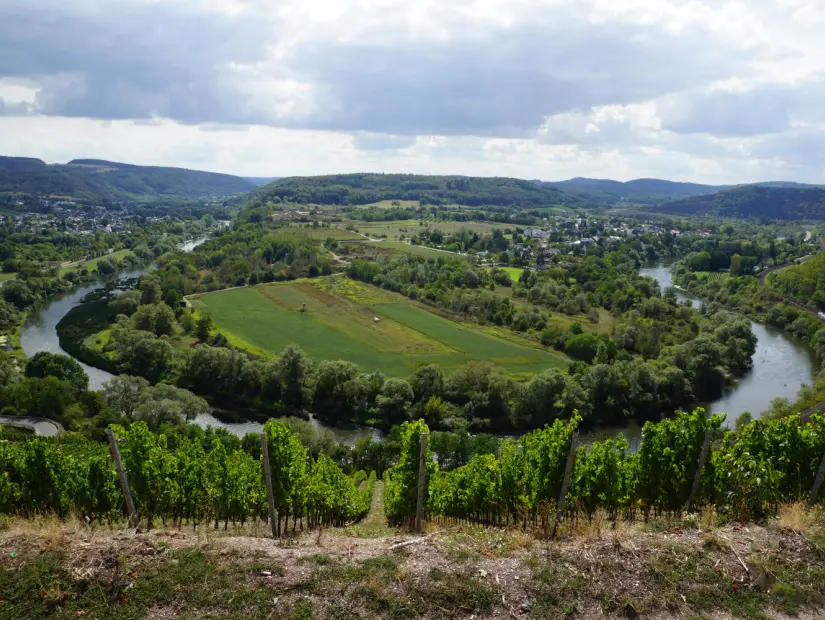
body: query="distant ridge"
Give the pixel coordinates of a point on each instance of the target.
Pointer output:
(98, 179)
(368, 188)
(261, 181)
(764, 201)
(644, 191)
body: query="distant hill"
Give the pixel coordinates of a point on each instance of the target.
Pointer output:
(97, 179)
(644, 191)
(261, 181)
(754, 201)
(366, 188)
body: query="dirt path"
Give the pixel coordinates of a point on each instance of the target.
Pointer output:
(374, 525)
(376, 516)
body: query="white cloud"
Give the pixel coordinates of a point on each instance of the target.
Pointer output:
(721, 91)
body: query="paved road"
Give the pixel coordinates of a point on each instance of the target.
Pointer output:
(40, 426)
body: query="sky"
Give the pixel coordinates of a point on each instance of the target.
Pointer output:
(710, 91)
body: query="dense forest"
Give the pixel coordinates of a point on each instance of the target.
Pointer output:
(98, 180)
(642, 191)
(754, 201)
(361, 189)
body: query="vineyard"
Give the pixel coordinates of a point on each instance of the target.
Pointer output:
(710, 276)
(185, 483)
(746, 476)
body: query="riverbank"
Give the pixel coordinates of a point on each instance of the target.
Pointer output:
(765, 305)
(782, 364)
(39, 331)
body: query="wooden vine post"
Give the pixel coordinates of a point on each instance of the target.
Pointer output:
(422, 482)
(703, 457)
(565, 483)
(270, 496)
(124, 482)
(817, 482)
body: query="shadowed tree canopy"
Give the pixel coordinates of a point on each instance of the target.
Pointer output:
(45, 364)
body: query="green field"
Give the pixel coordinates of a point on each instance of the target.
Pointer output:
(92, 264)
(417, 250)
(513, 272)
(411, 227)
(387, 247)
(323, 233)
(7, 276)
(339, 323)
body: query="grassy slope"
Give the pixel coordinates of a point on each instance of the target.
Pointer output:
(410, 227)
(64, 569)
(416, 250)
(92, 264)
(513, 272)
(339, 324)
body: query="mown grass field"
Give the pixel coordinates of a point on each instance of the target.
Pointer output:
(513, 272)
(410, 227)
(417, 250)
(385, 246)
(322, 233)
(339, 323)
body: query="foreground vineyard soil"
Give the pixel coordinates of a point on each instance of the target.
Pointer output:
(50, 569)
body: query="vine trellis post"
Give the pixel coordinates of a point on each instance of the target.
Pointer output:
(124, 481)
(270, 496)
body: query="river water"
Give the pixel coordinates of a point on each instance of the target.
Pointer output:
(781, 365)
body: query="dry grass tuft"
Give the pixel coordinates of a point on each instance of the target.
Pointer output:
(799, 518)
(601, 526)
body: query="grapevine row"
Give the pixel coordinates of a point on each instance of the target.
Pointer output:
(184, 483)
(748, 473)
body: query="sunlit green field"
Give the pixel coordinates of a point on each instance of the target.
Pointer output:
(513, 272)
(410, 227)
(92, 264)
(322, 233)
(339, 322)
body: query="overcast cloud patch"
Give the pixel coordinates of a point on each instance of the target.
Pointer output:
(574, 81)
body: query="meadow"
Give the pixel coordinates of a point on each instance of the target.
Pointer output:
(513, 272)
(335, 318)
(91, 265)
(323, 233)
(410, 227)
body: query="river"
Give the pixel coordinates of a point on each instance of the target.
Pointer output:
(781, 365)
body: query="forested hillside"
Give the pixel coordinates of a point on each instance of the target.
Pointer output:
(361, 189)
(803, 283)
(754, 201)
(645, 191)
(93, 179)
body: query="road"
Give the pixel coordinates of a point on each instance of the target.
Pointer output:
(41, 426)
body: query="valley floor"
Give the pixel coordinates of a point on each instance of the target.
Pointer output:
(52, 569)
